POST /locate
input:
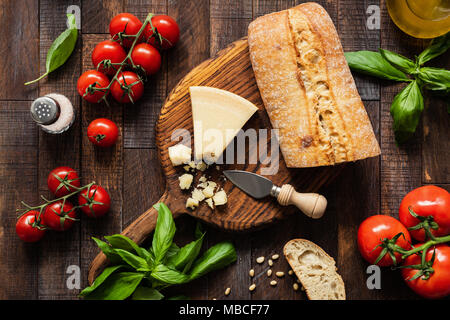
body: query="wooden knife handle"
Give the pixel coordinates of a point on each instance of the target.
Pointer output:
(311, 204)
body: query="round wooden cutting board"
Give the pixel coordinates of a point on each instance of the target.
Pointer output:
(230, 70)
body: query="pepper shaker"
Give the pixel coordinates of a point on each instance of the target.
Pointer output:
(53, 112)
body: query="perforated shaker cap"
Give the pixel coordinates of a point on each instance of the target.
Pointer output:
(45, 110)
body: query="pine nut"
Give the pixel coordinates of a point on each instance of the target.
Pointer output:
(273, 283)
(227, 291)
(295, 286)
(290, 272)
(275, 256)
(269, 272)
(260, 260)
(270, 262)
(251, 273)
(279, 274)
(252, 287)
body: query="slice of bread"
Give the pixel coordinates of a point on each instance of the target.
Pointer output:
(315, 269)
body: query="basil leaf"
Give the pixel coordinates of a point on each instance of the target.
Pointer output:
(198, 233)
(118, 286)
(186, 255)
(145, 293)
(119, 241)
(136, 262)
(61, 48)
(179, 297)
(99, 280)
(437, 47)
(216, 257)
(166, 275)
(406, 110)
(400, 62)
(373, 64)
(164, 232)
(109, 252)
(435, 78)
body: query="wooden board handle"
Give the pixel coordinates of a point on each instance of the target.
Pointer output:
(137, 231)
(311, 204)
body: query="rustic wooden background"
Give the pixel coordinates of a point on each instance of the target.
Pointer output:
(131, 170)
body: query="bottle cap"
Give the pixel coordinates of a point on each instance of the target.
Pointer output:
(45, 110)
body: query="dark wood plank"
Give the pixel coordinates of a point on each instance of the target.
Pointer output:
(19, 22)
(96, 15)
(18, 182)
(59, 250)
(104, 166)
(140, 119)
(436, 136)
(355, 36)
(262, 7)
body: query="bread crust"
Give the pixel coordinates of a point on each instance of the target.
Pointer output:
(307, 88)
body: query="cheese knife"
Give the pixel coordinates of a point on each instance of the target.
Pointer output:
(258, 187)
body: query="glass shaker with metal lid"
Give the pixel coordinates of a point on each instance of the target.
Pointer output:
(53, 113)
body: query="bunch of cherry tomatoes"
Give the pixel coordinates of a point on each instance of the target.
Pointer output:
(60, 214)
(425, 265)
(123, 62)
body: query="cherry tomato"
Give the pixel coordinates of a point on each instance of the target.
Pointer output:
(376, 228)
(426, 201)
(94, 203)
(167, 28)
(62, 180)
(108, 50)
(438, 285)
(103, 132)
(147, 57)
(136, 87)
(25, 228)
(92, 77)
(125, 23)
(58, 217)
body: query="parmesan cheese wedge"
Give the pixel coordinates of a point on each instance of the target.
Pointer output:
(218, 115)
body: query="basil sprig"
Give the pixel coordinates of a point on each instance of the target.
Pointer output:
(61, 48)
(408, 105)
(141, 274)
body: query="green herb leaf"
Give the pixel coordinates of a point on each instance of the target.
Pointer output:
(61, 48)
(400, 62)
(186, 256)
(109, 252)
(437, 47)
(435, 79)
(145, 293)
(135, 261)
(373, 64)
(164, 232)
(406, 110)
(216, 257)
(99, 280)
(118, 286)
(179, 297)
(166, 275)
(119, 241)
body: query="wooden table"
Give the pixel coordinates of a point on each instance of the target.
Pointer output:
(131, 171)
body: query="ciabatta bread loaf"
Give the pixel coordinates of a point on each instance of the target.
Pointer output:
(307, 88)
(315, 269)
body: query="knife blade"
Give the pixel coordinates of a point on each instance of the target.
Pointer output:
(258, 187)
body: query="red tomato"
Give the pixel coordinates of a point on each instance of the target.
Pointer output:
(147, 57)
(103, 132)
(438, 285)
(127, 24)
(426, 201)
(92, 78)
(164, 26)
(62, 180)
(135, 90)
(96, 204)
(25, 228)
(58, 217)
(373, 231)
(108, 50)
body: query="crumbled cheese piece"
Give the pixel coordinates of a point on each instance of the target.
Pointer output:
(187, 168)
(201, 166)
(191, 203)
(192, 164)
(186, 181)
(202, 179)
(209, 201)
(197, 195)
(220, 198)
(179, 154)
(208, 191)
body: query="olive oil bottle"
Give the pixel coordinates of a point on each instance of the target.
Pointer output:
(421, 18)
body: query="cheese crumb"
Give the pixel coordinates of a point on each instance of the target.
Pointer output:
(197, 195)
(180, 154)
(209, 191)
(202, 179)
(220, 198)
(201, 166)
(191, 203)
(186, 181)
(209, 201)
